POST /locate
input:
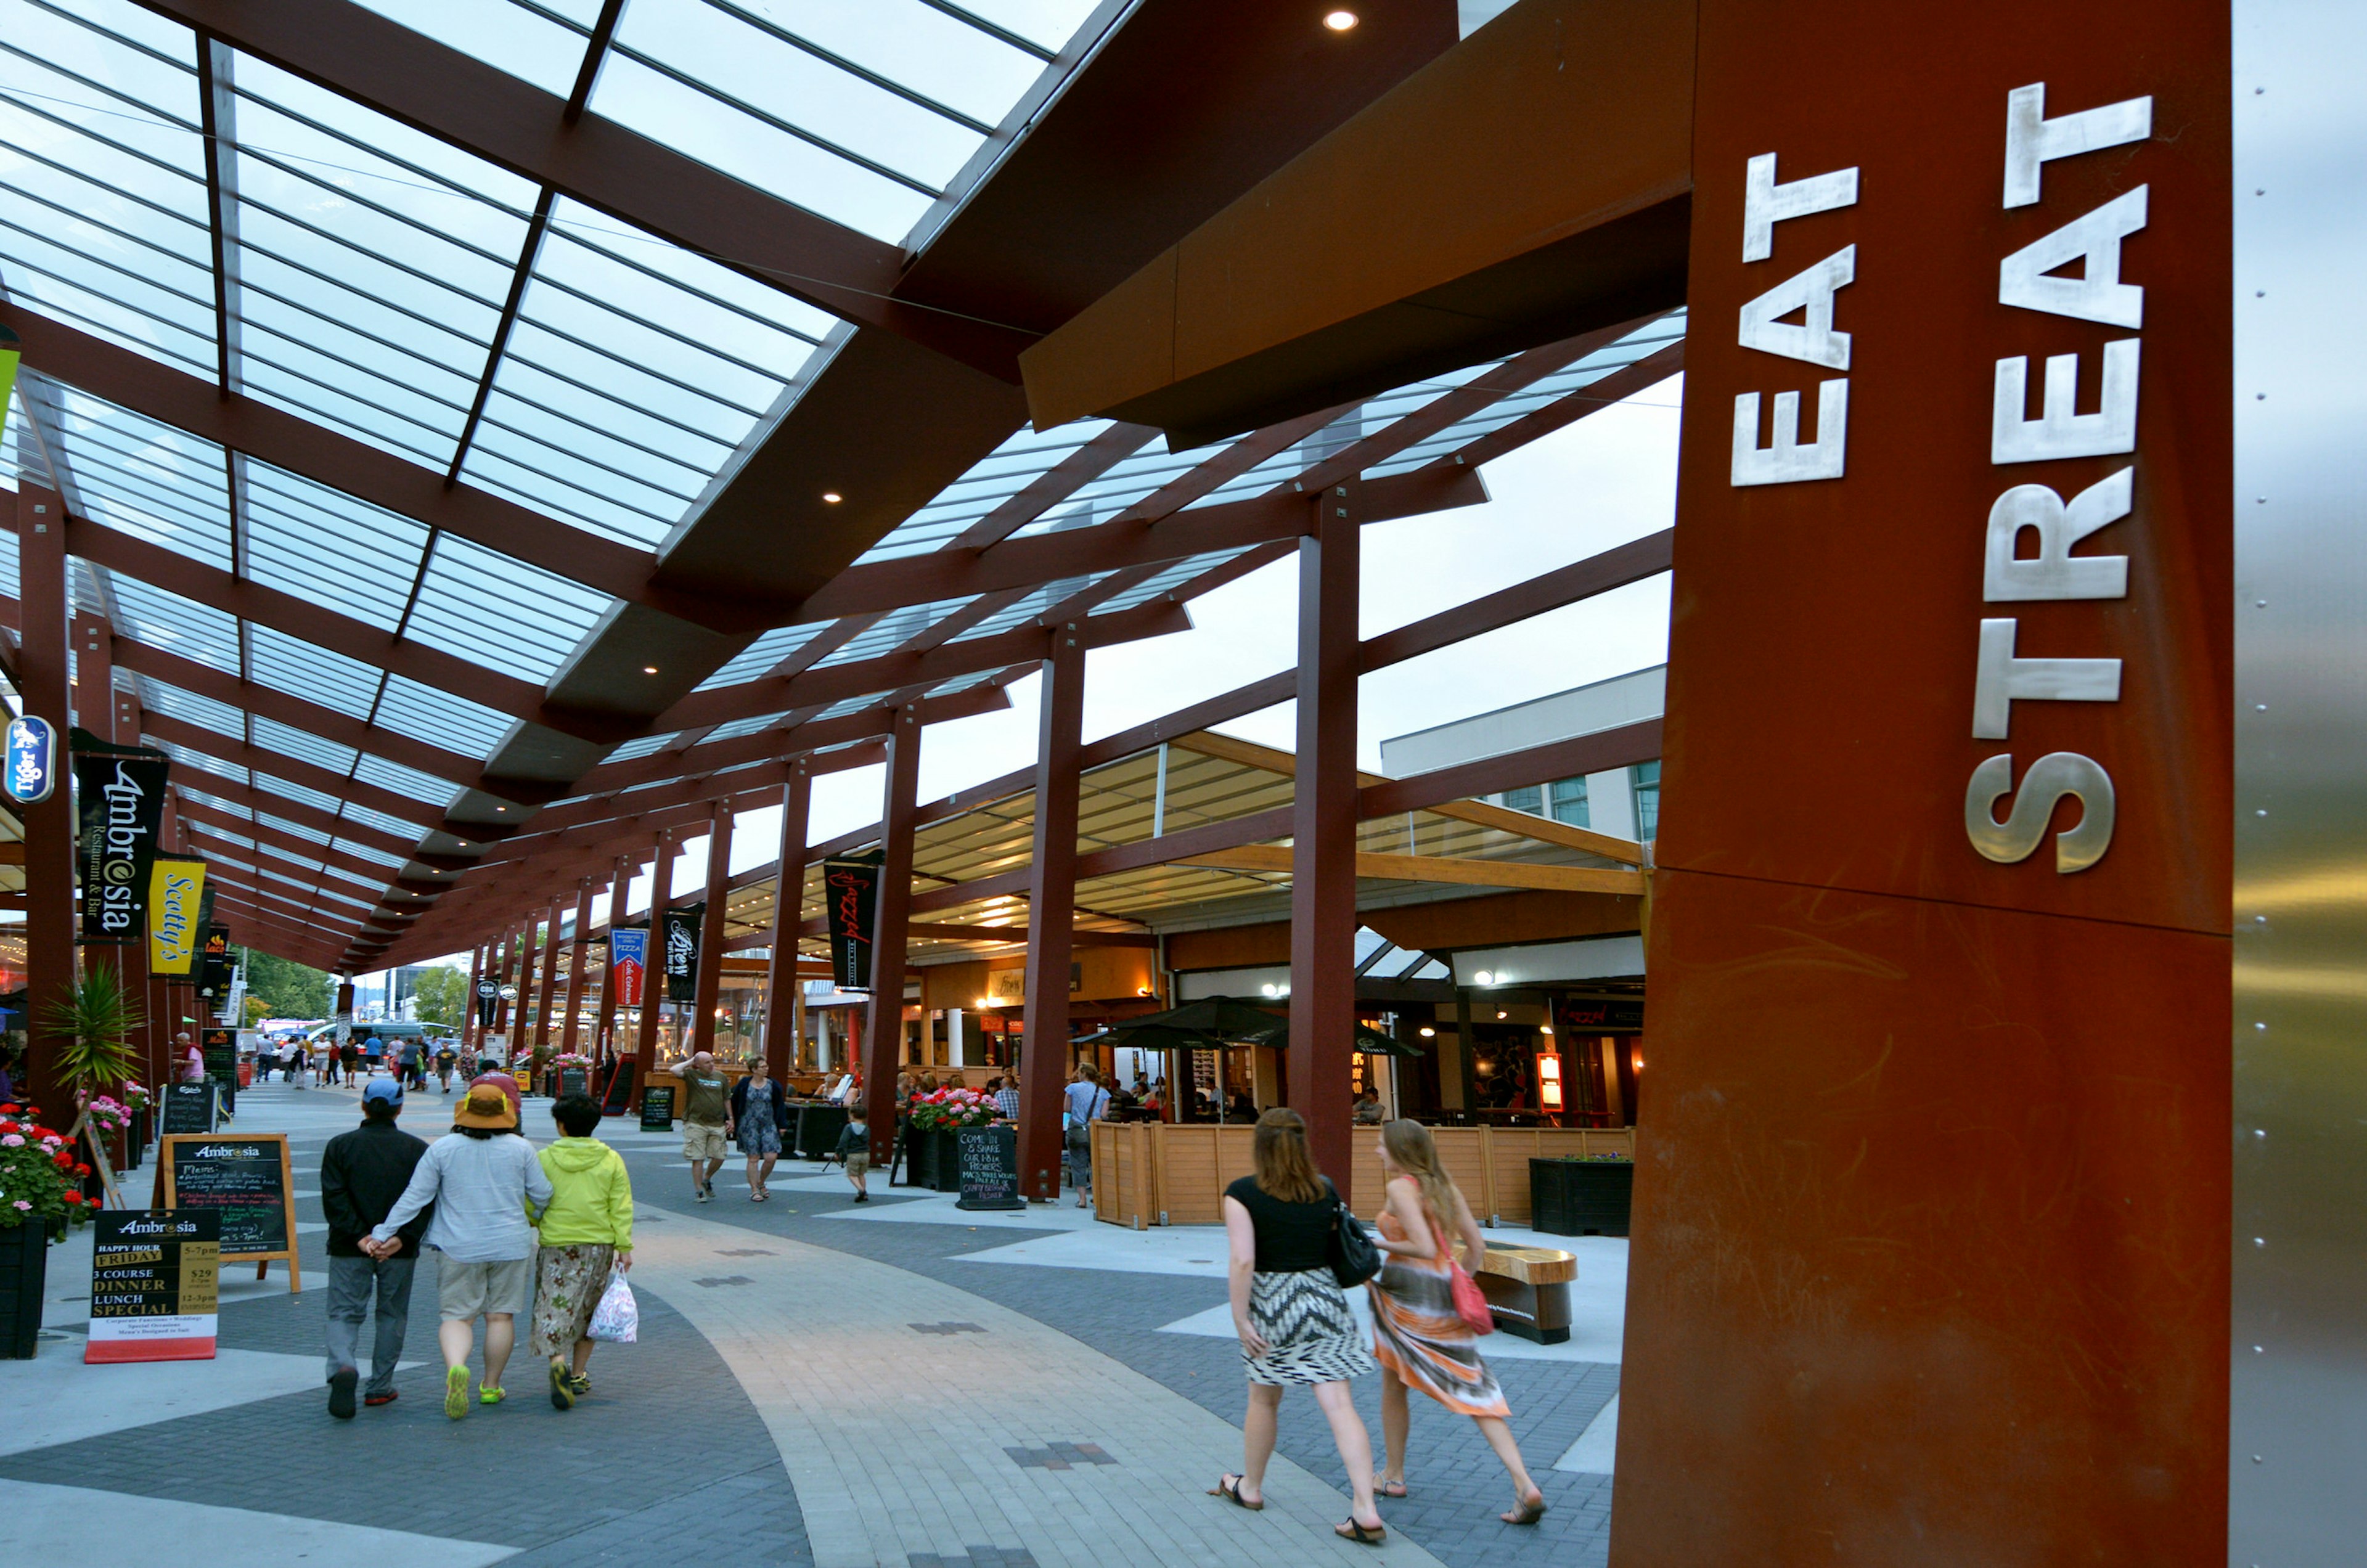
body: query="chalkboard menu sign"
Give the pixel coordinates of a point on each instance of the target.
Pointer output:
(189, 1107)
(574, 1080)
(990, 1168)
(620, 1097)
(220, 1047)
(154, 1277)
(657, 1108)
(243, 1180)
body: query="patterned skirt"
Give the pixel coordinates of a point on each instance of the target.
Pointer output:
(1418, 1335)
(1310, 1334)
(567, 1282)
(758, 1137)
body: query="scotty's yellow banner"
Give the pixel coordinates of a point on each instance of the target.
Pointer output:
(175, 888)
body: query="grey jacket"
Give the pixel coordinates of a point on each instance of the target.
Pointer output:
(480, 1188)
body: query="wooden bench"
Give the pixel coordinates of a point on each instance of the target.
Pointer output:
(1528, 1290)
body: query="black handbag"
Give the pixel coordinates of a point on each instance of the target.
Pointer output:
(1352, 1255)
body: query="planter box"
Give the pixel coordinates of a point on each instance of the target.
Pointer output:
(1580, 1197)
(933, 1160)
(24, 1266)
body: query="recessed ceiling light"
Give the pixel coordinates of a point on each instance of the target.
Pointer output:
(1339, 21)
(832, 497)
(649, 669)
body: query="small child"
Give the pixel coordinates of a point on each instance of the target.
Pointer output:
(854, 1148)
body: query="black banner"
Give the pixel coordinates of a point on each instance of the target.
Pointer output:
(488, 1000)
(119, 795)
(850, 896)
(1596, 1015)
(214, 967)
(220, 1047)
(682, 924)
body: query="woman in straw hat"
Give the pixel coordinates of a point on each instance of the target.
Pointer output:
(481, 1181)
(1419, 1338)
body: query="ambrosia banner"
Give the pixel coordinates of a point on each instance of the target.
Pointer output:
(176, 920)
(120, 792)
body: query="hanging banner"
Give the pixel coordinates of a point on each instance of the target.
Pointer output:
(11, 351)
(119, 795)
(177, 890)
(850, 896)
(629, 962)
(682, 925)
(214, 968)
(488, 1000)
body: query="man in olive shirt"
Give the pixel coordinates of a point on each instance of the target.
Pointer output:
(706, 1121)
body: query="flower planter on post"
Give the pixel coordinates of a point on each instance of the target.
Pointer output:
(931, 1151)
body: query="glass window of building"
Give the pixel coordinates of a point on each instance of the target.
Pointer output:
(1647, 799)
(1528, 799)
(1570, 802)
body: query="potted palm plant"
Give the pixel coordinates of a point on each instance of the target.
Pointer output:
(90, 1026)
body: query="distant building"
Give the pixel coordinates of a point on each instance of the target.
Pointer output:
(1624, 803)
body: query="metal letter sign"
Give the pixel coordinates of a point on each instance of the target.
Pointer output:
(32, 756)
(629, 959)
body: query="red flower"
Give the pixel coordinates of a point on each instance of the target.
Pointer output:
(74, 1198)
(64, 1160)
(81, 1169)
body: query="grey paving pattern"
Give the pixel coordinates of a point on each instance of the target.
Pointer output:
(1058, 1456)
(975, 1557)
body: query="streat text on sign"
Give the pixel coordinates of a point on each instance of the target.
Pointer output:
(2031, 278)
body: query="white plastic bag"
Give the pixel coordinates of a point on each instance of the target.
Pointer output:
(617, 1319)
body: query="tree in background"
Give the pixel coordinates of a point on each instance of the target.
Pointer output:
(257, 1009)
(442, 995)
(287, 988)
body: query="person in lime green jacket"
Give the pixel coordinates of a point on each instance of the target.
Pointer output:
(587, 1231)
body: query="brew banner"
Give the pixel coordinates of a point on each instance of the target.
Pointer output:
(628, 963)
(682, 925)
(177, 890)
(850, 896)
(120, 792)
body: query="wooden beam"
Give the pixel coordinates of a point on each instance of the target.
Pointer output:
(1440, 868)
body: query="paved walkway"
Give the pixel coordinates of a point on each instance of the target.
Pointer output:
(899, 1383)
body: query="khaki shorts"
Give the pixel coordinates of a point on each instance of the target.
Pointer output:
(857, 1164)
(465, 1289)
(702, 1141)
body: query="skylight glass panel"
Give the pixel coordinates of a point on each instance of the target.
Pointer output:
(272, 736)
(105, 221)
(1166, 580)
(370, 853)
(763, 655)
(216, 803)
(309, 670)
(372, 261)
(1011, 467)
(740, 726)
(891, 631)
(849, 706)
(1024, 609)
(292, 829)
(646, 746)
(501, 613)
(404, 780)
(165, 620)
(187, 760)
(140, 477)
(440, 719)
(545, 49)
(155, 697)
(362, 816)
(297, 793)
(329, 548)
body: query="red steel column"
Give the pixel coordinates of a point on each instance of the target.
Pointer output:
(576, 966)
(506, 973)
(469, 1002)
(645, 1051)
(1051, 918)
(549, 979)
(785, 995)
(884, 1039)
(620, 882)
(1323, 834)
(49, 827)
(710, 990)
(522, 1037)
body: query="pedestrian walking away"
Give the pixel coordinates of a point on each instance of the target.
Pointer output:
(854, 1148)
(364, 1174)
(760, 1109)
(706, 1121)
(1420, 1337)
(445, 1057)
(1294, 1323)
(1085, 1102)
(485, 1183)
(587, 1232)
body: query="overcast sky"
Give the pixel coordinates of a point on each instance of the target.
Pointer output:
(1600, 482)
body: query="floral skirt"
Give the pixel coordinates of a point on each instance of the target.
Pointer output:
(568, 1281)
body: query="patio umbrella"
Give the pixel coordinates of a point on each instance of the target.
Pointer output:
(1225, 1017)
(1369, 1042)
(1153, 1037)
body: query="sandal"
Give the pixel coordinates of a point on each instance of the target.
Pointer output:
(1528, 1513)
(1387, 1488)
(1349, 1529)
(1228, 1487)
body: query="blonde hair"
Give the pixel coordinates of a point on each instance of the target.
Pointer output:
(1286, 1170)
(1413, 1151)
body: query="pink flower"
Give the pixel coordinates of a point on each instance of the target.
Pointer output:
(13, 1141)
(22, 1204)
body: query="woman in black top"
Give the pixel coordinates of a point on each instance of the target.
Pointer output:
(1294, 1321)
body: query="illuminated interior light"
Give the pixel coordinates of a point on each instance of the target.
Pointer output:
(1339, 21)
(1485, 977)
(831, 498)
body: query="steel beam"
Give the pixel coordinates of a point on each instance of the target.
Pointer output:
(621, 883)
(706, 987)
(1051, 915)
(41, 681)
(550, 981)
(653, 983)
(1323, 832)
(577, 967)
(884, 1025)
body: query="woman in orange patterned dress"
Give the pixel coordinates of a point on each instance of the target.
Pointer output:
(1418, 1337)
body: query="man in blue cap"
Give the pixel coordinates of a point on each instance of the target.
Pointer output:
(362, 1174)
